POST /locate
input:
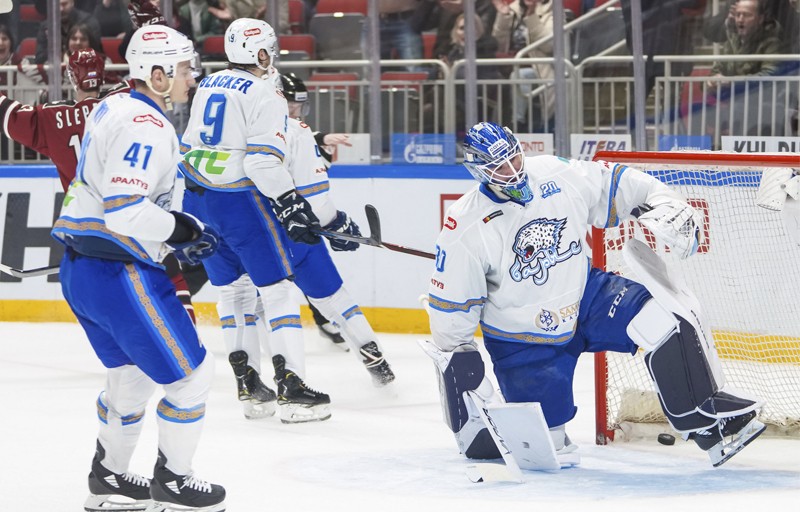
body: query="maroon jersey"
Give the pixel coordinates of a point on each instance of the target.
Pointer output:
(54, 129)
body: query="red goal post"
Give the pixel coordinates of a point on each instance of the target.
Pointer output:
(722, 185)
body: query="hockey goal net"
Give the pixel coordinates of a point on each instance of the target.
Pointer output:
(746, 275)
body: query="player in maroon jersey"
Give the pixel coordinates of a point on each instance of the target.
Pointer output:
(55, 130)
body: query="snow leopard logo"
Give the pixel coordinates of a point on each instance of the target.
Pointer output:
(536, 248)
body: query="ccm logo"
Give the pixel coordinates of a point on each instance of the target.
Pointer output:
(149, 36)
(450, 223)
(252, 32)
(148, 118)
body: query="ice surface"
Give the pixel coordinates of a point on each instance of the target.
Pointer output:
(383, 450)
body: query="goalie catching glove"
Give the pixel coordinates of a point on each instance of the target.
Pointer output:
(297, 218)
(342, 223)
(191, 240)
(775, 186)
(674, 223)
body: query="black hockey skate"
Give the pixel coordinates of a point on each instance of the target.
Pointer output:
(330, 331)
(183, 492)
(298, 403)
(728, 437)
(115, 492)
(376, 364)
(258, 401)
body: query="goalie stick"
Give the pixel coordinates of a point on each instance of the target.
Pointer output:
(374, 239)
(34, 272)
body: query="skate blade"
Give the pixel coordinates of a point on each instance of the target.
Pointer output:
(160, 506)
(114, 503)
(723, 451)
(258, 410)
(298, 413)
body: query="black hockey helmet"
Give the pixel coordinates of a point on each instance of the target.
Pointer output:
(293, 88)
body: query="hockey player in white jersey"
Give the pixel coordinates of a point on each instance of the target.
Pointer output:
(235, 147)
(512, 260)
(118, 224)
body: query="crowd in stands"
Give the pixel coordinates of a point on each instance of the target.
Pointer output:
(416, 29)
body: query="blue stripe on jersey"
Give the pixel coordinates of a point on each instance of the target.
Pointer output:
(447, 306)
(350, 313)
(193, 174)
(290, 321)
(184, 148)
(132, 418)
(228, 322)
(528, 337)
(114, 203)
(314, 189)
(612, 217)
(250, 320)
(97, 227)
(264, 149)
(169, 412)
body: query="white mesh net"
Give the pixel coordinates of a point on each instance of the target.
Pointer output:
(746, 276)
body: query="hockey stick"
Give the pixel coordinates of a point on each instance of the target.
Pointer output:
(34, 272)
(374, 239)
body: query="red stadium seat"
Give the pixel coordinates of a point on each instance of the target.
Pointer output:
(405, 79)
(214, 45)
(316, 80)
(332, 6)
(299, 43)
(111, 49)
(576, 6)
(27, 47)
(28, 12)
(428, 43)
(297, 16)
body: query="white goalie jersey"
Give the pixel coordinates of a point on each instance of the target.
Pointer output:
(309, 170)
(124, 184)
(236, 137)
(520, 271)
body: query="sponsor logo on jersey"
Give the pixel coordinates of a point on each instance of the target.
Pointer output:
(450, 223)
(497, 147)
(151, 36)
(280, 136)
(491, 216)
(547, 320)
(304, 126)
(252, 32)
(536, 249)
(129, 181)
(148, 118)
(548, 189)
(437, 283)
(570, 312)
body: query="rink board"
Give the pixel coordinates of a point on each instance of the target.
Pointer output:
(410, 199)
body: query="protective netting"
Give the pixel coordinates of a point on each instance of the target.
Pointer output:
(746, 276)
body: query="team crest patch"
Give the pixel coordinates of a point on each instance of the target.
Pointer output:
(548, 189)
(547, 320)
(536, 247)
(148, 118)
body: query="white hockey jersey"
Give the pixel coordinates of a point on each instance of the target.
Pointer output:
(309, 170)
(236, 137)
(123, 188)
(520, 271)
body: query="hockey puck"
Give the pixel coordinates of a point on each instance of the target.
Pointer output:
(666, 439)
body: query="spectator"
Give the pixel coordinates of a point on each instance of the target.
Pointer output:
(785, 13)
(70, 16)
(234, 9)
(200, 20)
(455, 50)
(443, 18)
(81, 37)
(26, 88)
(112, 15)
(515, 27)
(398, 32)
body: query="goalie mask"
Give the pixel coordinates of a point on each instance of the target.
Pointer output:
(85, 70)
(245, 37)
(493, 155)
(295, 91)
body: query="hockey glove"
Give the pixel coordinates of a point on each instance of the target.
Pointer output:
(343, 224)
(145, 12)
(674, 223)
(192, 240)
(295, 214)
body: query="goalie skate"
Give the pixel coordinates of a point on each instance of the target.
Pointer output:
(729, 437)
(126, 492)
(298, 403)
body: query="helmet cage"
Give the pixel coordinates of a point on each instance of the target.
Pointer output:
(489, 153)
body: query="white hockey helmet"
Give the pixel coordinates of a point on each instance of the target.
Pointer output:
(245, 37)
(158, 45)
